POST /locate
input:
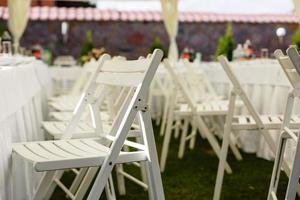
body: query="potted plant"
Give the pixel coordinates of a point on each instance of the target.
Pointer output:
(226, 44)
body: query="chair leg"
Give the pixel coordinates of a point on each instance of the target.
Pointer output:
(224, 149)
(177, 128)
(221, 167)
(277, 167)
(110, 189)
(167, 139)
(142, 164)
(193, 139)
(78, 179)
(86, 182)
(164, 117)
(213, 141)
(158, 114)
(295, 173)
(234, 148)
(120, 180)
(154, 177)
(45, 190)
(183, 139)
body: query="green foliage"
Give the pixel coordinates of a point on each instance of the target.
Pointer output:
(296, 39)
(157, 45)
(226, 43)
(88, 44)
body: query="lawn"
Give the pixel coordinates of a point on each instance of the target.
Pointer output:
(193, 177)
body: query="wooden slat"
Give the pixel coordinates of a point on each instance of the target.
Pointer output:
(120, 79)
(126, 66)
(95, 145)
(265, 119)
(79, 144)
(63, 144)
(275, 119)
(37, 149)
(242, 120)
(20, 149)
(56, 150)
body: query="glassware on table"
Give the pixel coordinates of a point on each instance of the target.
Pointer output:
(6, 43)
(264, 53)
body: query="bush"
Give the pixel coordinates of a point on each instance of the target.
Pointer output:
(296, 39)
(88, 44)
(226, 44)
(158, 45)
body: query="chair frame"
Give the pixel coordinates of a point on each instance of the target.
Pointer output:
(237, 90)
(290, 65)
(197, 119)
(133, 107)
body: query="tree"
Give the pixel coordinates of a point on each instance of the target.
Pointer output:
(226, 43)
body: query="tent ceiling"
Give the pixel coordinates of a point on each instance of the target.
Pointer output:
(218, 6)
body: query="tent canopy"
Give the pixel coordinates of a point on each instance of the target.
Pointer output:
(217, 6)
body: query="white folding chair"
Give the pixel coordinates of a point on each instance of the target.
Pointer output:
(85, 129)
(195, 112)
(69, 101)
(104, 150)
(291, 67)
(253, 121)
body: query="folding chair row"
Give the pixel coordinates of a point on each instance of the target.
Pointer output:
(290, 65)
(104, 150)
(253, 121)
(68, 101)
(190, 110)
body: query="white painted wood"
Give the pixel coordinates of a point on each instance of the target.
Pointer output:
(193, 109)
(290, 65)
(253, 122)
(70, 153)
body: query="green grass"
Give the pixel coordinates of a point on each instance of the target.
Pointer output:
(193, 177)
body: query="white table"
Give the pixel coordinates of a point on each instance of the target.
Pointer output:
(63, 78)
(23, 106)
(267, 87)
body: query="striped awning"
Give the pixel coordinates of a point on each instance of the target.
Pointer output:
(94, 14)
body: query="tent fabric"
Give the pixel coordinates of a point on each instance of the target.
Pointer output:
(215, 6)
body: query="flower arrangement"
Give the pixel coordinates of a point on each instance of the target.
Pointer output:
(94, 53)
(88, 50)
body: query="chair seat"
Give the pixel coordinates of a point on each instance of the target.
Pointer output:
(83, 129)
(66, 154)
(67, 116)
(64, 98)
(270, 122)
(208, 108)
(66, 105)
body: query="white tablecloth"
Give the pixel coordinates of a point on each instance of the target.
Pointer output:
(63, 78)
(267, 87)
(22, 107)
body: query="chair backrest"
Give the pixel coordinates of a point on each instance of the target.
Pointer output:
(288, 68)
(87, 70)
(134, 74)
(196, 78)
(237, 88)
(186, 93)
(292, 52)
